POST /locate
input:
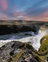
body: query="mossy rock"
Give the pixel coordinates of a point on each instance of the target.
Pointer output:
(44, 44)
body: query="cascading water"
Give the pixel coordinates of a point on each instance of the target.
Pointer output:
(34, 39)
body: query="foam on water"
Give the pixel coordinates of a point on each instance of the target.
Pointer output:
(36, 39)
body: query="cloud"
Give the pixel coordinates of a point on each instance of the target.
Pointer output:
(35, 11)
(7, 17)
(37, 8)
(4, 4)
(29, 10)
(14, 14)
(41, 17)
(38, 3)
(3, 16)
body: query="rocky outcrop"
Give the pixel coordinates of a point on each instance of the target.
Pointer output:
(16, 51)
(7, 29)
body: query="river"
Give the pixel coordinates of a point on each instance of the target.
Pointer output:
(30, 37)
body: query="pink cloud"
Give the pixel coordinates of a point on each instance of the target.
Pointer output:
(42, 17)
(17, 14)
(3, 16)
(4, 4)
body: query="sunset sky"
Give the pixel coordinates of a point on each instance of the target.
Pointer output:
(24, 10)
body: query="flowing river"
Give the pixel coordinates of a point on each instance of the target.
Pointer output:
(33, 39)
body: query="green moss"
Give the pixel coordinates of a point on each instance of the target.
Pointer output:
(44, 47)
(44, 44)
(38, 58)
(16, 57)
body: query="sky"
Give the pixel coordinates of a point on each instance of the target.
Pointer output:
(24, 10)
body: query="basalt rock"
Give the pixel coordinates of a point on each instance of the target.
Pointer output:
(7, 29)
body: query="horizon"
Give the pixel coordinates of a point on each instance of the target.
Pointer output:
(24, 10)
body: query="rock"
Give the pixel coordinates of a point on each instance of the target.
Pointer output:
(16, 51)
(32, 60)
(33, 28)
(7, 29)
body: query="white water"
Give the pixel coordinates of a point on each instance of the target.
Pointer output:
(36, 39)
(33, 40)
